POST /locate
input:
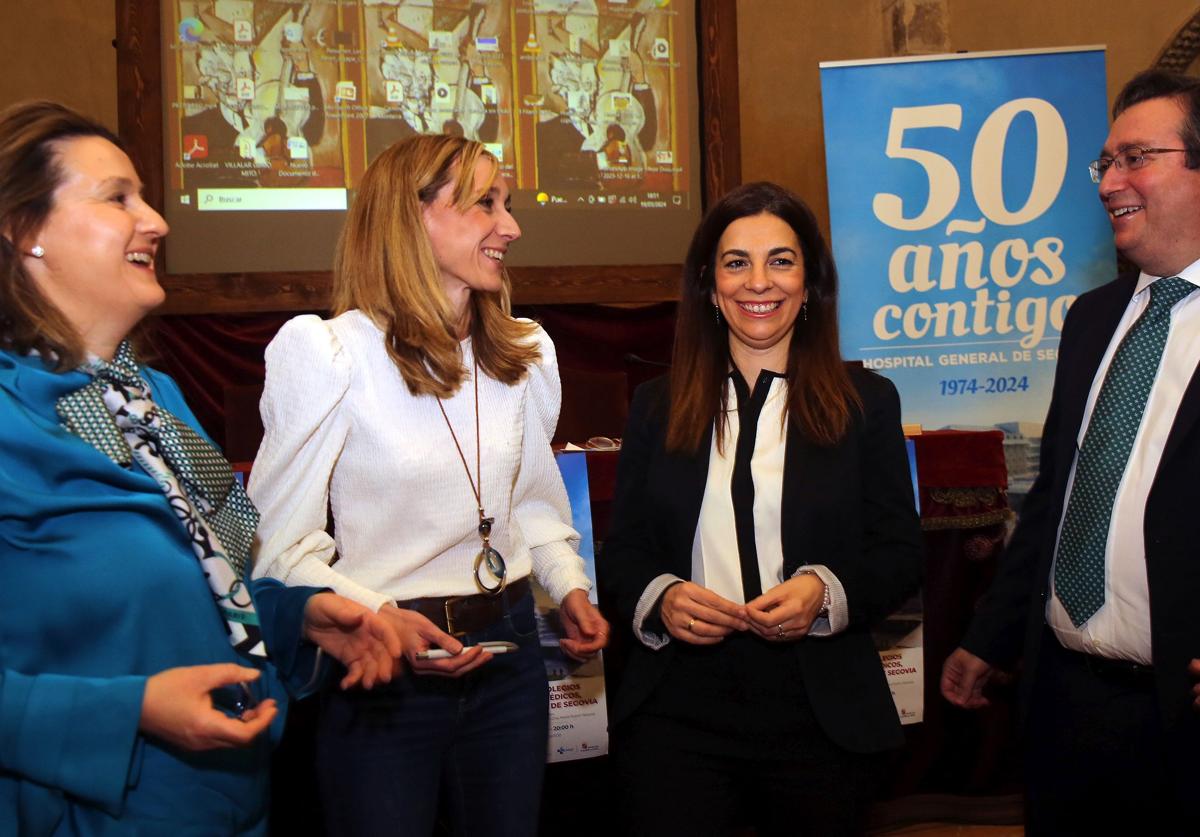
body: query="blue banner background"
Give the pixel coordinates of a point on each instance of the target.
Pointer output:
(982, 377)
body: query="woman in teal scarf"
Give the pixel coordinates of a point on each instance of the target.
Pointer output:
(124, 613)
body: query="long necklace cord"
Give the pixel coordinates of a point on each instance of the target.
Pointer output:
(488, 557)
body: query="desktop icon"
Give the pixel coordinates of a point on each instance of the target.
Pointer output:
(195, 146)
(442, 41)
(191, 29)
(327, 38)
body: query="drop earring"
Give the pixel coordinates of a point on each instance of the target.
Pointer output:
(804, 311)
(37, 251)
(717, 312)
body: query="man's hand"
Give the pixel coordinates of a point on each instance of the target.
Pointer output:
(963, 677)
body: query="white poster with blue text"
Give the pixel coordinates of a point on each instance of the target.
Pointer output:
(964, 224)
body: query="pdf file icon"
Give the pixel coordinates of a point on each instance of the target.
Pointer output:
(195, 146)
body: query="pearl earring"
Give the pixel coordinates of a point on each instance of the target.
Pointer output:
(37, 251)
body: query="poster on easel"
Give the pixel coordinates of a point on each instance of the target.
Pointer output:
(900, 638)
(578, 708)
(964, 224)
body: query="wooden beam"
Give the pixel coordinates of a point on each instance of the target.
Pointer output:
(720, 119)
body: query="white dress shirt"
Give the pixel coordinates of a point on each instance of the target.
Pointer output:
(715, 559)
(1120, 629)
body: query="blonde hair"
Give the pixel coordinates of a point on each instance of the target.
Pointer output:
(385, 267)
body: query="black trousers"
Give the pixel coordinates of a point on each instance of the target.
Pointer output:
(1098, 761)
(666, 786)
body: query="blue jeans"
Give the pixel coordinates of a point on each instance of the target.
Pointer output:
(384, 757)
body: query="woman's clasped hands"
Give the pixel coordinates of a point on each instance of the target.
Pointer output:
(785, 613)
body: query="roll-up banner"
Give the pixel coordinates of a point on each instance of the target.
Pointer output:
(578, 704)
(964, 224)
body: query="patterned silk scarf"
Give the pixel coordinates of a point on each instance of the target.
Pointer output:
(116, 414)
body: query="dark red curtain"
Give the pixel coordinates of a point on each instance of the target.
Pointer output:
(206, 354)
(218, 358)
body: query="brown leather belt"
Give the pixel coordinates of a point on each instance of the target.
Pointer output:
(458, 615)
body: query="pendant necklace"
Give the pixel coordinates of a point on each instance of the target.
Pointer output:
(488, 559)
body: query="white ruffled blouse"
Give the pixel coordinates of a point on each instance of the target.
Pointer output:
(344, 433)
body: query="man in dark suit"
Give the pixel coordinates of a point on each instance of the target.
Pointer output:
(1099, 590)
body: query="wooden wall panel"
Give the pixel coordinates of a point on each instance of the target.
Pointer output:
(60, 50)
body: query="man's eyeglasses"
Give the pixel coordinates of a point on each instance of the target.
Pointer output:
(1131, 158)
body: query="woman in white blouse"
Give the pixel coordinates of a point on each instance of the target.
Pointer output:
(763, 520)
(421, 417)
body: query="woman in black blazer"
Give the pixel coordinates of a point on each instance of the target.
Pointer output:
(763, 521)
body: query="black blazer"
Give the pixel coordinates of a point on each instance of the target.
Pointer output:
(848, 506)
(1011, 618)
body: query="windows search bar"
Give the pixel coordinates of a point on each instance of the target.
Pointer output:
(252, 200)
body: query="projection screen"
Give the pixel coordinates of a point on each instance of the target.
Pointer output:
(273, 110)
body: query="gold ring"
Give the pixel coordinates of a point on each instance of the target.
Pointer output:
(691, 622)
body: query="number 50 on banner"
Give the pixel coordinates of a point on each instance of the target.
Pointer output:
(1050, 164)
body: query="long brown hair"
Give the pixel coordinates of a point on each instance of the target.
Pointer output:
(29, 175)
(821, 397)
(385, 267)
